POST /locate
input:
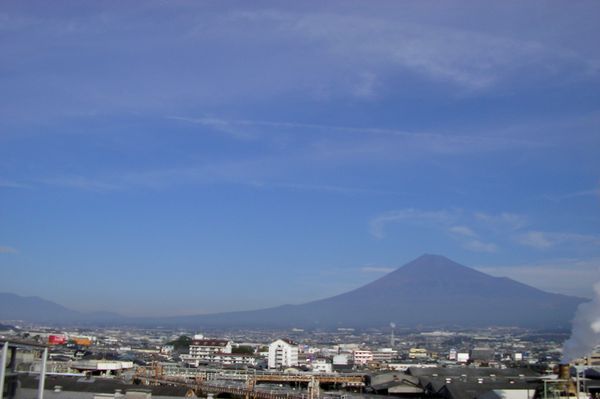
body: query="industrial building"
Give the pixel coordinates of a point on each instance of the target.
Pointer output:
(458, 383)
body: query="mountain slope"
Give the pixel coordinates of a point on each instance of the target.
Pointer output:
(431, 290)
(36, 309)
(33, 308)
(435, 290)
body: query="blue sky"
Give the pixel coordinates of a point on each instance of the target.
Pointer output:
(174, 157)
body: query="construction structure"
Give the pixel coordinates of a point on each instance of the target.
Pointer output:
(8, 371)
(247, 385)
(563, 386)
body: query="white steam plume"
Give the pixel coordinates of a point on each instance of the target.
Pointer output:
(585, 335)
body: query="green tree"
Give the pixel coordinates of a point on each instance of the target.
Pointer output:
(243, 349)
(181, 344)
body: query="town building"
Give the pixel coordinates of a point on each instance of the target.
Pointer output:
(362, 356)
(283, 353)
(203, 347)
(417, 353)
(223, 359)
(207, 351)
(384, 355)
(322, 366)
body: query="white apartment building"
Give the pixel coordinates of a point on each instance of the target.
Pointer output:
(362, 356)
(210, 351)
(224, 359)
(384, 355)
(417, 353)
(341, 360)
(204, 347)
(322, 366)
(283, 353)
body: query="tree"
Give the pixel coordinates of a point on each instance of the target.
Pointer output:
(181, 344)
(243, 349)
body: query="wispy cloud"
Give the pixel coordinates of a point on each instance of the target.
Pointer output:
(322, 187)
(241, 172)
(12, 184)
(462, 231)
(535, 239)
(576, 194)
(81, 183)
(474, 231)
(7, 250)
(570, 276)
(470, 239)
(546, 240)
(260, 174)
(354, 52)
(366, 85)
(376, 269)
(378, 224)
(480, 231)
(479, 246)
(325, 139)
(502, 220)
(471, 59)
(232, 128)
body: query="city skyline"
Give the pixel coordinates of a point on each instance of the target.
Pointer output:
(180, 158)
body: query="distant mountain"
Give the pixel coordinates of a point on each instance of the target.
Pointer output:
(33, 308)
(429, 291)
(36, 309)
(7, 327)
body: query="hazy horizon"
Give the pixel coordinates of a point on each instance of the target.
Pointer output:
(198, 157)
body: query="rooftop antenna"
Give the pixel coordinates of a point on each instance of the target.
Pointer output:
(392, 325)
